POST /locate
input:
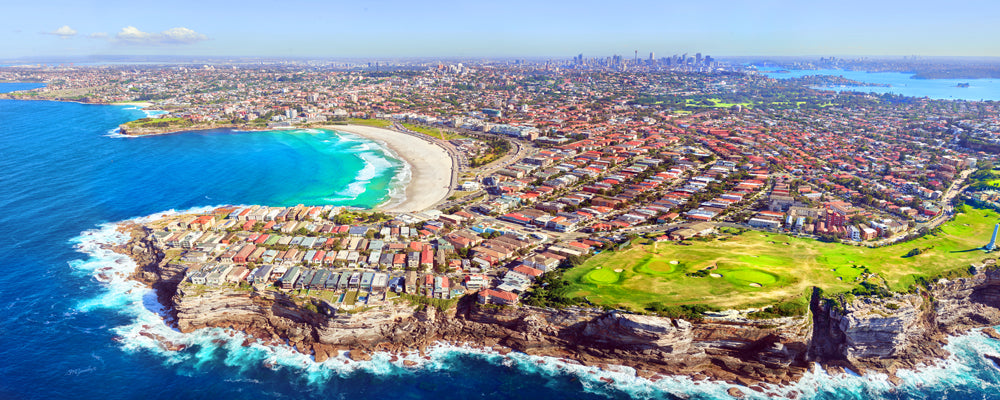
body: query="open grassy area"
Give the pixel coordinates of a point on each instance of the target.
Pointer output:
(755, 268)
(435, 132)
(717, 103)
(378, 123)
(159, 122)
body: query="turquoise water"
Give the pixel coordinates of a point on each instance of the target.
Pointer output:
(66, 178)
(901, 83)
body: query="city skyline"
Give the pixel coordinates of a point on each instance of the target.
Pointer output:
(508, 29)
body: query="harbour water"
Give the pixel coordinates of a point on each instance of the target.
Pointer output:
(901, 83)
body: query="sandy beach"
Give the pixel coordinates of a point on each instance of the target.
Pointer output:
(430, 167)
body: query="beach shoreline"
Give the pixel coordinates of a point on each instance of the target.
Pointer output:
(430, 167)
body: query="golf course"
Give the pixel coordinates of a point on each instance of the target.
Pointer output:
(754, 269)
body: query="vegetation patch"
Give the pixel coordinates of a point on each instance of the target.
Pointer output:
(783, 270)
(602, 276)
(749, 275)
(378, 123)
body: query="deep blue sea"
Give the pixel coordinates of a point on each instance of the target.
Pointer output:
(66, 177)
(901, 83)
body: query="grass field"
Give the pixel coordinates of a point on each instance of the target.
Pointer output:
(159, 122)
(718, 104)
(435, 132)
(761, 268)
(378, 123)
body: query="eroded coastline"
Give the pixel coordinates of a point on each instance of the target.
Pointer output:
(869, 335)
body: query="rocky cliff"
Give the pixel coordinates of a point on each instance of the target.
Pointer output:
(864, 333)
(902, 330)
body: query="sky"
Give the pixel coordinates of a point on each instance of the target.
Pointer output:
(498, 28)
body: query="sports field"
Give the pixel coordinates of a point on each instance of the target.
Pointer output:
(756, 269)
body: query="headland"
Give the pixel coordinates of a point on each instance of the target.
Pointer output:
(367, 312)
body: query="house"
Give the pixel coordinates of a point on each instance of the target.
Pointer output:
(290, 277)
(541, 262)
(493, 296)
(411, 282)
(476, 282)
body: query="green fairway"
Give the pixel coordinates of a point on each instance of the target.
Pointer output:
(746, 276)
(602, 276)
(763, 268)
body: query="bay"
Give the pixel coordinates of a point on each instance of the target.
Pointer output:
(901, 83)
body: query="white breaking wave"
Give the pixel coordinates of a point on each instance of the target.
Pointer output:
(117, 134)
(397, 186)
(374, 165)
(153, 113)
(399, 182)
(149, 331)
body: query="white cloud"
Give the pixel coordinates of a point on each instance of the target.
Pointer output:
(65, 31)
(132, 34)
(180, 35)
(98, 35)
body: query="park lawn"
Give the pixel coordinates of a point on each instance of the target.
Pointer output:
(784, 267)
(435, 132)
(445, 135)
(718, 103)
(378, 123)
(143, 122)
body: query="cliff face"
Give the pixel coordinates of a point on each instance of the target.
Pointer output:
(641, 333)
(881, 328)
(903, 331)
(866, 333)
(746, 351)
(967, 303)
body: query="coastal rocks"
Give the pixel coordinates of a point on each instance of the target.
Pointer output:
(641, 332)
(323, 352)
(391, 323)
(881, 328)
(992, 333)
(359, 355)
(903, 331)
(967, 303)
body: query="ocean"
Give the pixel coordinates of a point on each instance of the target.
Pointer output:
(901, 83)
(67, 178)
